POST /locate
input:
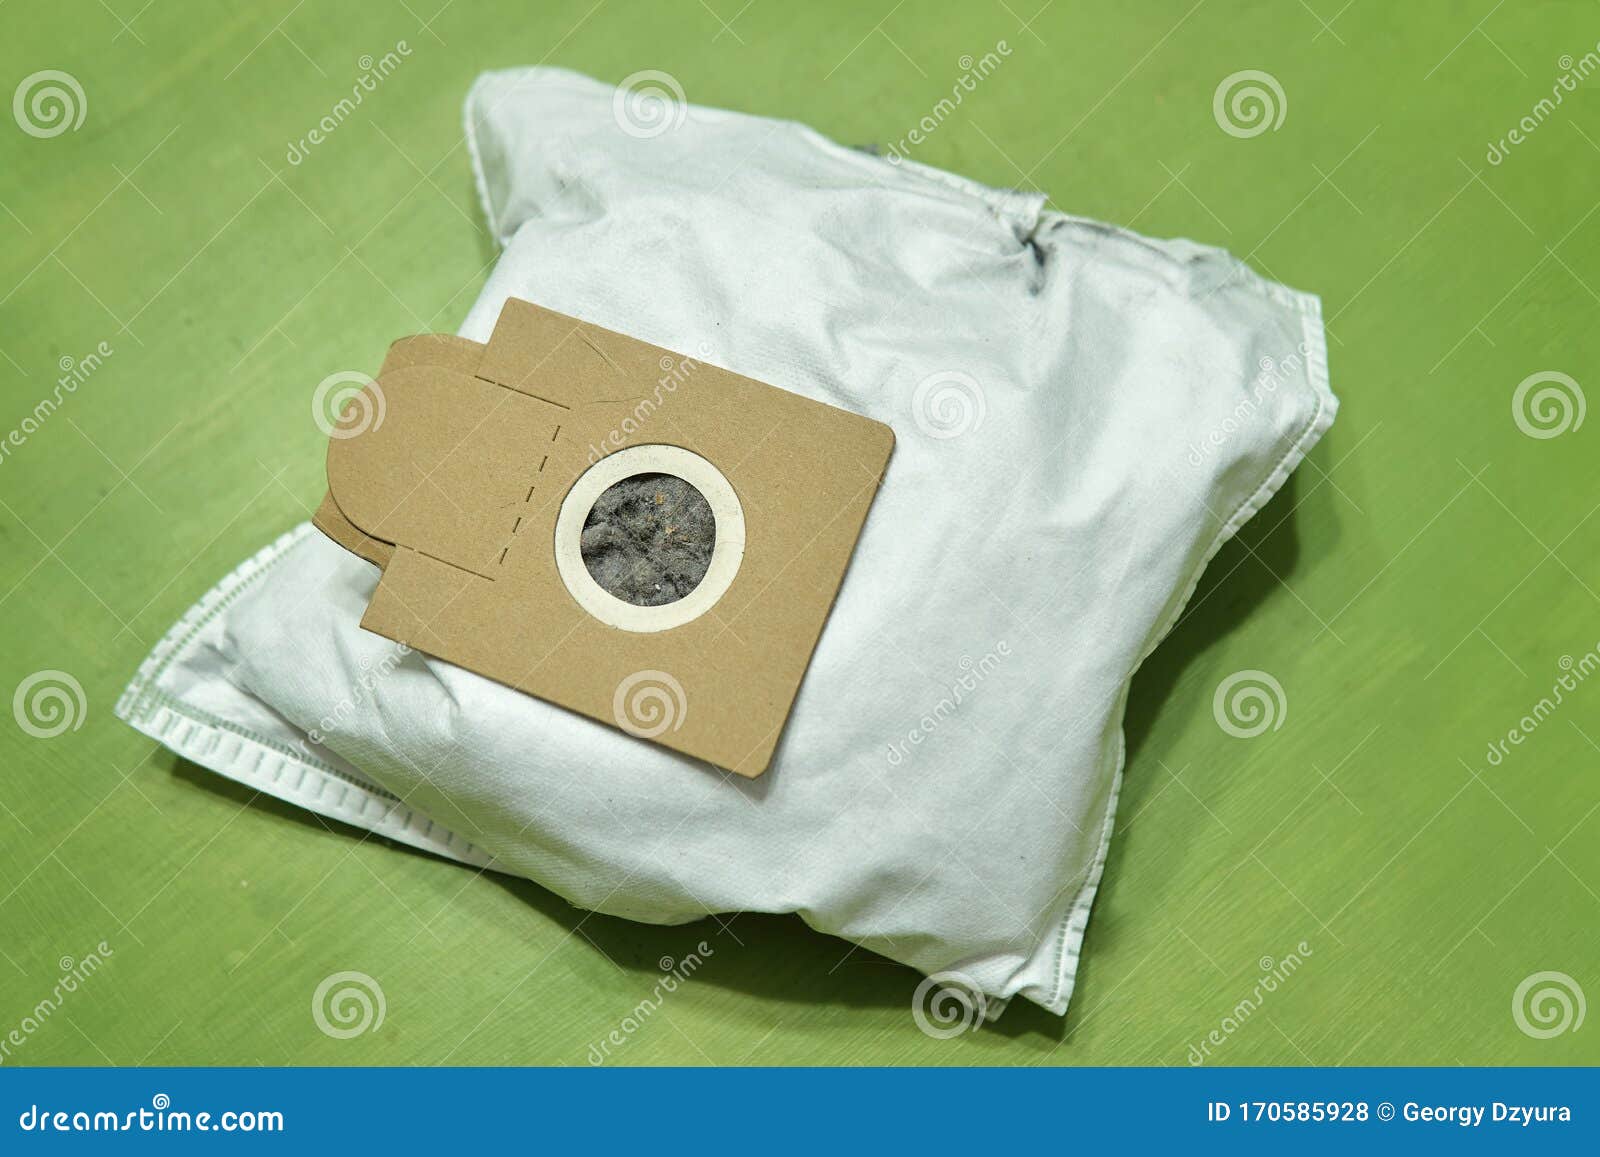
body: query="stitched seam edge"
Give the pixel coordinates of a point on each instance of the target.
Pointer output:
(1075, 923)
(141, 701)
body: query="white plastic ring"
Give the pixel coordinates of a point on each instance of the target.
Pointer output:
(726, 554)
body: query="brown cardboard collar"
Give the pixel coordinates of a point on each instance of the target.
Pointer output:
(454, 483)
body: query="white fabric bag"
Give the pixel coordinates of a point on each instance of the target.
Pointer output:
(1083, 416)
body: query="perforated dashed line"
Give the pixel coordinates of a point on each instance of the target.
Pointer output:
(517, 525)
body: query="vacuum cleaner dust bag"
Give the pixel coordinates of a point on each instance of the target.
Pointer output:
(1082, 416)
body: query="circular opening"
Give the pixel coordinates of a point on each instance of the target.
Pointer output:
(619, 535)
(648, 539)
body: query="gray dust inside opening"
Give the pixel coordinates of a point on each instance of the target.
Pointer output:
(648, 539)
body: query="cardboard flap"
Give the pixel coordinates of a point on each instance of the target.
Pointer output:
(439, 349)
(565, 361)
(449, 467)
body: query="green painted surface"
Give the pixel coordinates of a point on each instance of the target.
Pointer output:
(1414, 590)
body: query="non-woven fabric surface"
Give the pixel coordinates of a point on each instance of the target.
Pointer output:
(1083, 416)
